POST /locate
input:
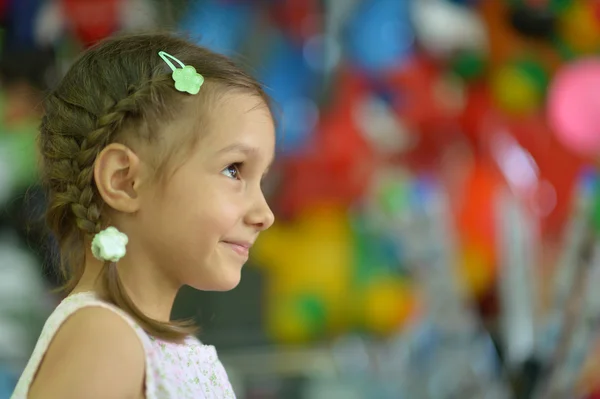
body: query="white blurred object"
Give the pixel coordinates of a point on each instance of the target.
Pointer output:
(300, 106)
(518, 236)
(138, 15)
(516, 164)
(20, 280)
(14, 341)
(443, 28)
(381, 127)
(50, 23)
(322, 53)
(335, 17)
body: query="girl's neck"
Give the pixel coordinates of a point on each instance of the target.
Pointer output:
(151, 292)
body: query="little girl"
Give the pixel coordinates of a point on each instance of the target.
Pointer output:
(153, 154)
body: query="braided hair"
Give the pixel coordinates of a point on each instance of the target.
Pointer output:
(119, 90)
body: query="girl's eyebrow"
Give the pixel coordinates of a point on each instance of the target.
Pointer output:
(238, 147)
(245, 149)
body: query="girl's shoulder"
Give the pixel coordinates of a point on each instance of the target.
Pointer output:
(99, 355)
(98, 348)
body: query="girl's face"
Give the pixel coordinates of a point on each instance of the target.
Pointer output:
(202, 223)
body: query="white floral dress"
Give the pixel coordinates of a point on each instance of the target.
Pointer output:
(186, 370)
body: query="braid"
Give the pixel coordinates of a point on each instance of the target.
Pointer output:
(70, 158)
(85, 206)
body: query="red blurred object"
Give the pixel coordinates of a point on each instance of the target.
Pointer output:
(594, 395)
(92, 20)
(299, 18)
(3, 8)
(478, 110)
(419, 96)
(340, 163)
(557, 165)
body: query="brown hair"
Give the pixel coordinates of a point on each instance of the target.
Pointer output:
(120, 89)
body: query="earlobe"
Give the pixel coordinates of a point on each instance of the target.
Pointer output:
(117, 173)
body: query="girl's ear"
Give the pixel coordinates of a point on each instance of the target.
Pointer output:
(117, 172)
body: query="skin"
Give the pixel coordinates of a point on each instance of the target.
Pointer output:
(194, 229)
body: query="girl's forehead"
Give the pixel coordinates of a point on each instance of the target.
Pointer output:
(241, 121)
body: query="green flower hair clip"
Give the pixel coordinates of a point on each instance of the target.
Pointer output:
(186, 78)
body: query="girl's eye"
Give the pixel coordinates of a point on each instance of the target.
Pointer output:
(232, 171)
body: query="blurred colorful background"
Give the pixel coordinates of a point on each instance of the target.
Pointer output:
(435, 189)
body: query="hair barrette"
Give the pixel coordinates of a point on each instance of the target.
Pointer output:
(186, 78)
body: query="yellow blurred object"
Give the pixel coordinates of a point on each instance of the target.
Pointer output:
(514, 91)
(312, 256)
(579, 27)
(295, 320)
(477, 271)
(387, 304)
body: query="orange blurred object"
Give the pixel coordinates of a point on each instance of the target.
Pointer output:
(476, 213)
(579, 27)
(506, 43)
(476, 228)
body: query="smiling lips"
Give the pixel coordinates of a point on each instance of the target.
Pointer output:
(240, 248)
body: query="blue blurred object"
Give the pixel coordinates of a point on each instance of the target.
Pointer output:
(424, 191)
(291, 84)
(588, 179)
(376, 253)
(20, 22)
(379, 35)
(218, 25)
(7, 383)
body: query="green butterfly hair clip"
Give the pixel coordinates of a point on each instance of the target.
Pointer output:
(186, 78)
